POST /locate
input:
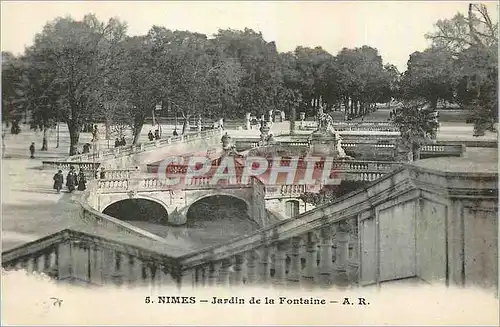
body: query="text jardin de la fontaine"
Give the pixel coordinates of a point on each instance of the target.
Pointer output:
(254, 300)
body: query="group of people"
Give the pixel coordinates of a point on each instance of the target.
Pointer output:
(120, 142)
(73, 180)
(156, 135)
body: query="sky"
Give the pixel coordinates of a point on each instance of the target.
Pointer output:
(395, 28)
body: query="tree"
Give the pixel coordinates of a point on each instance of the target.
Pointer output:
(430, 76)
(41, 97)
(417, 125)
(12, 84)
(260, 67)
(78, 55)
(362, 79)
(473, 41)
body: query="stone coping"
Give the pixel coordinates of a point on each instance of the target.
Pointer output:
(458, 166)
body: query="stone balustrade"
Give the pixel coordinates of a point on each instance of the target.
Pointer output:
(102, 155)
(323, 256)
(284, 191)
(373, 126)
(79, 257)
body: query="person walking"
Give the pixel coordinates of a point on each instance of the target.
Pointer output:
(151, 137)
(71, 180)
(122, 141)
(175, 132)
(82, 181)
(58, 181)
(32, 150)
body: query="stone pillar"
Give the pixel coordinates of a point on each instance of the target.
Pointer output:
(311, 257)
(280, 262)
(342, 255)
(96, 267)
(64, 262)
(53, 259)
(40, 263)
(353, 265)
(239, 261)
(264, 266)
(123, 268)
(325, 255)
(31, 265)
(295, 271)
(213, 273)
(251, 261)
(136, 272)
(224, 273)
(18, 265)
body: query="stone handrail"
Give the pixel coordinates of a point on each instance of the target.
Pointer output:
(310, 229)
(83, 256)
(292, 190)
(92, 158)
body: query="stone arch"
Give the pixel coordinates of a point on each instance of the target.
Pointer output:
(204, 196)
(226, 213)
(138, 208)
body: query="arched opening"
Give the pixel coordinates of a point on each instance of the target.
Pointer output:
(138, 210)
(291, 208)
(220, 216)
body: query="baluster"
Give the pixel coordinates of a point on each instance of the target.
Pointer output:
(224, 273)
(295, 270)
(310, 272)
(353, 265)
(40, 263)
(18, 265)
(264, 266)
(251, 261)
(280, 262)
(342, 253)
(136, 272)
(326, 262)
(239, 261)
(30, 265)
(213, 273)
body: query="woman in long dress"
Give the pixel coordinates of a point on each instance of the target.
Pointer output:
(81, 181)
(58, 181)
(71, 180)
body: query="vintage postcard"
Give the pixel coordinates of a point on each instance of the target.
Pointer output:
(249, 163)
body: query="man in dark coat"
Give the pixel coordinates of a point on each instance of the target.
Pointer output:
(157, 134)
(81, 181)
(117, 142)
(32, 150)
(71, 180)
(122, 141)
(58, 181)
(151, 136)
(175, 132)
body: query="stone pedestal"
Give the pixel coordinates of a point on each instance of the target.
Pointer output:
(323, 144)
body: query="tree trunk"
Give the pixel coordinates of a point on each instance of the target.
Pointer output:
(74, 136)
(44, 140)
(137, 128)
(293, 114)
(185, 126)
(415, 152)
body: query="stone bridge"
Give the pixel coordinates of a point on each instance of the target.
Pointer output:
(175, 202)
